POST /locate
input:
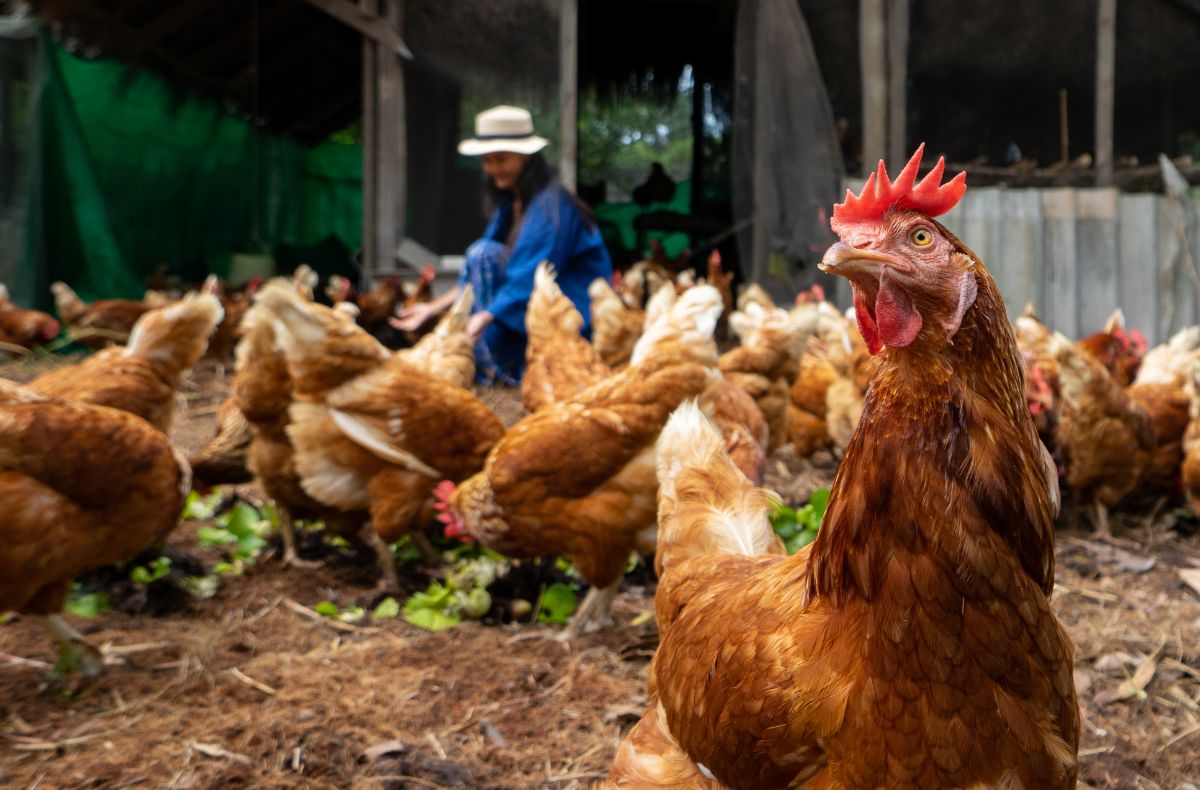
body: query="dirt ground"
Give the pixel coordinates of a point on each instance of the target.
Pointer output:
(250, 688)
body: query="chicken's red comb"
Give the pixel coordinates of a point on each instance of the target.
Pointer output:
(714, 258)
(428, 273)
(930, 197)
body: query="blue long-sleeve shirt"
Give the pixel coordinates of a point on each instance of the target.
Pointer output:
(553, 229)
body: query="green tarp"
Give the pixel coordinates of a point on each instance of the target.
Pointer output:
(129, 175)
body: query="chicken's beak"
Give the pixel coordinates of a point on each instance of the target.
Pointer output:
(845, 260)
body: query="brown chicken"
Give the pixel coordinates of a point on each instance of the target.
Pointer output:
(807, 428)
(99, 324)
(615, 325)
(754, 294)
(558, 360)
(447, 351)
(224, 460)
(1191, 444)
(577, 477)
(913, 644)
(80, 487)
(766, 363)
(262, 390)
(1118, 350)
(235, 304)
(1106, 440)
(22, 327)
(1171, 362)
(1167, 407)
(142, 377)
(369, 431)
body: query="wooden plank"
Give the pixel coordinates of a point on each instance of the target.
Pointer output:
(568, 93)
(872, 45)
(365, 21)
(897, 52)
(1096, 242)
(1061, 263)
(1137, 277)
(393, 143)
(1106, 67)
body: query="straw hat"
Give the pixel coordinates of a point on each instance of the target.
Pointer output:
(503, 128)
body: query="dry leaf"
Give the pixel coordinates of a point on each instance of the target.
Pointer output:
(1191, 577)
(373, 753)
(1136, 684)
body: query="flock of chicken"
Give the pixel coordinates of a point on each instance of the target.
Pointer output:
(647, 437)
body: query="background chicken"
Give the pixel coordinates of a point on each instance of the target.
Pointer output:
(224, 460)
(860, 660)
(558, 360)
(447, 351)
(235, 303)
(615, 325)
(1191, 443)
(1118, 350)
(80, 487)
(371, 432)
(22, 327)
(1105, 439)
(100, 323)
(262, 391)
(766, 363)
(577, 478)
(142, 377)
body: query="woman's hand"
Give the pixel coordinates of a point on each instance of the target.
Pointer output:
(410, 319)
(477, 323)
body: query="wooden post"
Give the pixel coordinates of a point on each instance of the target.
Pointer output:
(897, 63)
(394, 156)
(1106, 62)
(872, 45)
(1064, 133)
(568, 93)
(370, 199)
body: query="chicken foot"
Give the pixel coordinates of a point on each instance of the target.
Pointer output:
(287, 532)
(1100, 520)
(75, 653)
(594, 613)
(389, 581)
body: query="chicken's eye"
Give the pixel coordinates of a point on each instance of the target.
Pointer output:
(921, 237)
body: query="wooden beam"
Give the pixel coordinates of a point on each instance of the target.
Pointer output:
(370, 120)
(172, 18)
(897, 61)
(393, 142)
(1106, 68)
(568, 92)
(872, 45)
(367, 23)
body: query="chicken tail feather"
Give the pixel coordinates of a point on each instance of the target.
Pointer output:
(706, 505)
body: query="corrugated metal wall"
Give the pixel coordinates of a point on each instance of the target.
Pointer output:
(1078, 254)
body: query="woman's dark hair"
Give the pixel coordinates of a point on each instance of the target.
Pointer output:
(536, 176)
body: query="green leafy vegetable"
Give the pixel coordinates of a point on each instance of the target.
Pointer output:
(557, 603)
(799, 526)
(149, 574)
(86, 604)
(386, 609)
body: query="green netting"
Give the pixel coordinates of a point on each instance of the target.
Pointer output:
(131, 175)
(616, 221)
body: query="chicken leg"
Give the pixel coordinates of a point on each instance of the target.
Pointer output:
(594, 612)
(76, 654)
(389, 580)
(287, 533)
